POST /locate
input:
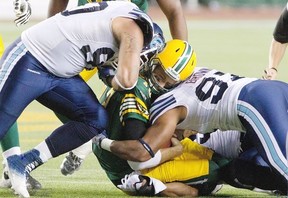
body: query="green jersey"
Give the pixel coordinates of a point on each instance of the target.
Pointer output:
(121, 106)
(142, 4)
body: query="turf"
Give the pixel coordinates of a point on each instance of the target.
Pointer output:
(239, 47)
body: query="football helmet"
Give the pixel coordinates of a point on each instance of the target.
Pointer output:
(178, 60)
(156, 44)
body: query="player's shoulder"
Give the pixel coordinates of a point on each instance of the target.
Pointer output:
(142, 90)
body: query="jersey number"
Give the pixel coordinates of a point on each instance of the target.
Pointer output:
(97, 58)
(101, 55)
(213, 84)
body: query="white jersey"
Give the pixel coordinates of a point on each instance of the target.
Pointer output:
(210, 98)
(81, 37)
(226, 143)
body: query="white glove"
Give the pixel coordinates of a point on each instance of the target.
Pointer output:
(22, 10)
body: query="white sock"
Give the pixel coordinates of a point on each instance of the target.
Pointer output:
(45, 153)
(12, 151)
(83, 150)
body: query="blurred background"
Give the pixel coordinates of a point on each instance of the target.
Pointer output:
(40, 6)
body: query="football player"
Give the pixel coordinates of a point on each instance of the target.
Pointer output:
(207, 165)
(128, 119)
(52, 85)
(178, 29)
(22, 8)
(209, 100)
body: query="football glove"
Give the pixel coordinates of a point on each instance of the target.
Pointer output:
(22, 10)
(98, 138)
(106, 73)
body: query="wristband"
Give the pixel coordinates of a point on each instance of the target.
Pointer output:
(106, 144)
(147, 147)
(274, 69)
(152, 162)
(121, 86)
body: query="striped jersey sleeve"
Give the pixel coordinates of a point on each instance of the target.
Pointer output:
(161, 105)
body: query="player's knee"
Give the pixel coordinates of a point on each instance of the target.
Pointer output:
(98, 120)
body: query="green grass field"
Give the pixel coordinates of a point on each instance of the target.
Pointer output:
(239, 47)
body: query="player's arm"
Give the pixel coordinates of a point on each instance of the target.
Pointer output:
(276, 53)
(156, 137)
(133, 129)
(56, 6)
(170, 153)
(163, 155)
(178, 189)
(130, 39)
(278, 46)
(174, 13)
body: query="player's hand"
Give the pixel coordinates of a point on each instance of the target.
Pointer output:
(22, 10)
(175, 141)
(106, 73)
(98, 138)
(177, 145)
(270, 73)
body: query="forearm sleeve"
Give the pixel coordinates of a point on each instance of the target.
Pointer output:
(281, 30)
(134, 129)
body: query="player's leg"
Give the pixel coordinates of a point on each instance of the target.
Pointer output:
(209, 183)
(19, 72)
(242, 173)
(75, 158)
(72, 161)
(74, 99)
(266, 120)
(11, 146)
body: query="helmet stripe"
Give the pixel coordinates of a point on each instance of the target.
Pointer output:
(185, 57)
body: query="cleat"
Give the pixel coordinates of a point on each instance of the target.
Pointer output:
(70, 164)
(19, 167)
(5, 181)
(17, 175)
(32, 183)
